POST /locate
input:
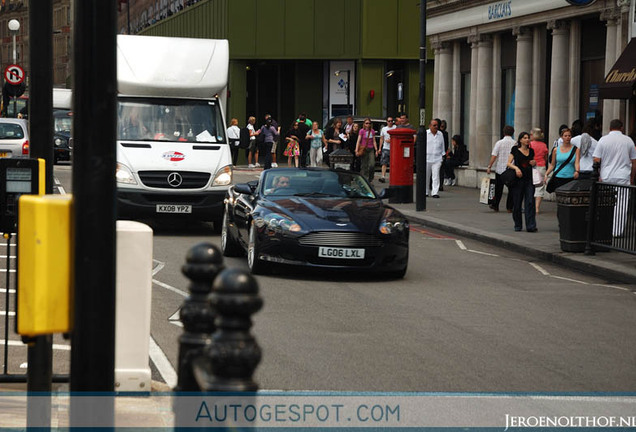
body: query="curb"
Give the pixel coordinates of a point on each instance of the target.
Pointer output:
(571, 262)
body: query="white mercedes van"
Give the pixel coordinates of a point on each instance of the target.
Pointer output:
(173, 158)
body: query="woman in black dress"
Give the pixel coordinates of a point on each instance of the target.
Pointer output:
(521, 159)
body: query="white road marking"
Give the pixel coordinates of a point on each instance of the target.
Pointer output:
(540, 269)
(570, 280)
(482, 253)
(4, 291)
(5, 313)
(170, 288)
(461, 245)
(162, 363)
(5, 270)
(158, 267)
(5, 257)
(19, 343)
(176, 318)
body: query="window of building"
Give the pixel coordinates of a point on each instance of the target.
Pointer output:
(464, 69)
(508, 77)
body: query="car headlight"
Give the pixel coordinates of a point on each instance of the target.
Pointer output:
(58, 142)
(124, 175)
(392, 223)
(277, 222)
(223, 176)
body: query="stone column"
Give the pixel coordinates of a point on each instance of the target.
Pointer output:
(610, 106)
(523, 81)
(575, 71)
(559, 77)
(444, 57)
(538, 77)
(471, 139)
(436, 45)
(454, 122)
(483, 91)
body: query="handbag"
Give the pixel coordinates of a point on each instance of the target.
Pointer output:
(508, 177)
(487, 193)
(537, 178)
(551, 185)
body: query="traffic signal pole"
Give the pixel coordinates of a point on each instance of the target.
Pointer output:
(94, 134)
(40, 350)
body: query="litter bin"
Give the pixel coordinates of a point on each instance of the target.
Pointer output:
(341, 159)
(573, 204)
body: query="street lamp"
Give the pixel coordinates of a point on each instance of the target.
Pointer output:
(14, 26)
(337, 73)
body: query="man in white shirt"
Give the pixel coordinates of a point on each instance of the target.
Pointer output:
(434, 156)
(384, 149)
(617, 155)
(500, 153)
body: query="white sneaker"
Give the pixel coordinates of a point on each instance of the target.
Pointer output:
(454, 182)
(446, 182)
(250, 166)
(274, 165)
(257, 165)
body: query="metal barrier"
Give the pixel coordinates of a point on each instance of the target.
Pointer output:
(612, 218)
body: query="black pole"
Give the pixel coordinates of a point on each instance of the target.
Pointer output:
(420, 192)
(40, 350)
(94, 128)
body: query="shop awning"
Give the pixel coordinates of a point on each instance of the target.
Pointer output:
(619, 82)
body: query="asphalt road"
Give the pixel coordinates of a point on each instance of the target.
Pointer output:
(467, 317)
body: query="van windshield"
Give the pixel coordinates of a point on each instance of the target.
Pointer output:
(148, 119)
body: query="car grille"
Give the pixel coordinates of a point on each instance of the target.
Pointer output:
(189, 180)
(340, 239)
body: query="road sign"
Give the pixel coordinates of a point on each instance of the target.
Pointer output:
(14, 74)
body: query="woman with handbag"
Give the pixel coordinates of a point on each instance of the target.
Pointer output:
(566, 159)
(521, 160)
(366, 150)
(541, 156)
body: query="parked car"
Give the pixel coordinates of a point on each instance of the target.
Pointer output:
(14, 138)
(314, 217)
(62, 126)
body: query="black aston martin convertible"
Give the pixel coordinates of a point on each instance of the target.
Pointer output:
(314, 217)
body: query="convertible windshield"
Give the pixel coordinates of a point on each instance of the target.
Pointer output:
(315, 184)
(169, 120)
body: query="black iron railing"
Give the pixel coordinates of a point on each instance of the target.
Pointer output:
(612, 222)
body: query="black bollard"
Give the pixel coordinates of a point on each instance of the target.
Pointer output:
(228, 363)
(204, 262)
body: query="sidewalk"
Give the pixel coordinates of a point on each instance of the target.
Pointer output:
(458, 211)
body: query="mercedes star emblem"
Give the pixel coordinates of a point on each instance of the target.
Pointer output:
(175, 179)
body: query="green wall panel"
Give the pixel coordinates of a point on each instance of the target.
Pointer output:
(330, 29)
(370, 77)
(408, 28)
(237, 87)
(270, 28)
(206, 19)
(242, 28)
(378, 17)
(300, 26)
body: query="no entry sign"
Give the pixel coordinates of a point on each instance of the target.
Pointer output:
(14, 74)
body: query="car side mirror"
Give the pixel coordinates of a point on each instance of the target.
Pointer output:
(385, 193)
(243, 188)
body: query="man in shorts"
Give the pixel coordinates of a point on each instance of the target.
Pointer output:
(384, 149)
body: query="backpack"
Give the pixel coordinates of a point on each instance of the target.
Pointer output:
(244, 138)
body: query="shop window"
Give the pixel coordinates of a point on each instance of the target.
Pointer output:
(464, 129)
(508, 97)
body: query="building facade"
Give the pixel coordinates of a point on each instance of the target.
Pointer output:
(527, 63)
(323, 57)
(62, 52)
